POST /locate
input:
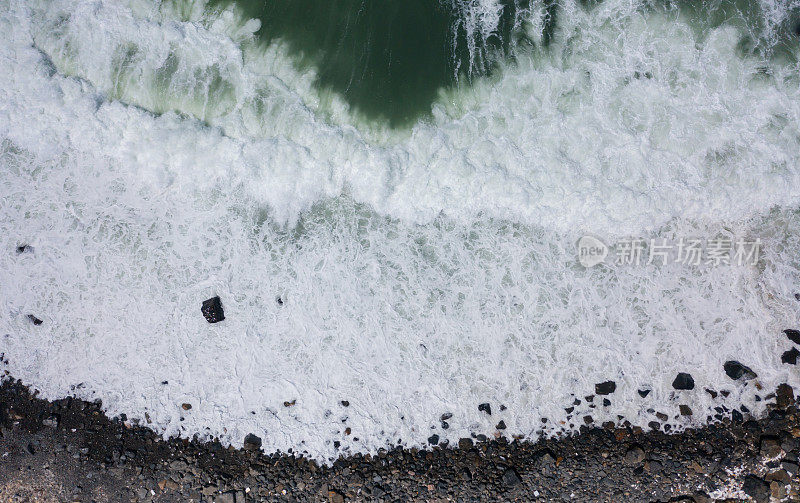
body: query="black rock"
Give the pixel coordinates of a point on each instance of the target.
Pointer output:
(252, 442)
(345, 403)
(784, 395)
(634, 456)
(756, 488)
(465, 443)
(605, 388)
(793, 335)
(212, 310)
(511, 477)
(23, 248)
(36, 321)
(644, 392)
(446, 416)
(433, 439)
(711, 392)
(606, 402)
(790, 356)
(736, 370)
(485, 407)
(683, 381)
(685, 410)
(501, 425)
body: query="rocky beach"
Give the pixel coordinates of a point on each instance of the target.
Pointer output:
(69, 451)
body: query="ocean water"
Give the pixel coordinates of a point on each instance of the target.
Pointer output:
(388, 200)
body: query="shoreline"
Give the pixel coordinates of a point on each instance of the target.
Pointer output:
(68, 450)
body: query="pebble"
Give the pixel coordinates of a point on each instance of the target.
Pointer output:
(485, 407)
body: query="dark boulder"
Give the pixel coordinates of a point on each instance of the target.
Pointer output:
(683, 381)
(736, 370)
(605, 388)
(634, 456)
(790, 356)
(793, 335)
(212, 310)
(252, 442)
(511, 477)
(485, 407)
(644, 392)
(756, 488)
(433, 439)
(784, 395)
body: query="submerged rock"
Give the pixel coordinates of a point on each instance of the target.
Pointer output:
(485, 407)
(36, 321)
(212, 310)
(643, 392)
(736, 370)
(793, 335)
(605, 388)
(683, 381)
(433, 439)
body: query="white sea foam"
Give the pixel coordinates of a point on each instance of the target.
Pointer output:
(419, 272)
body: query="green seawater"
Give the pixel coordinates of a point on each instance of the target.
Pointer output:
(387, 58)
